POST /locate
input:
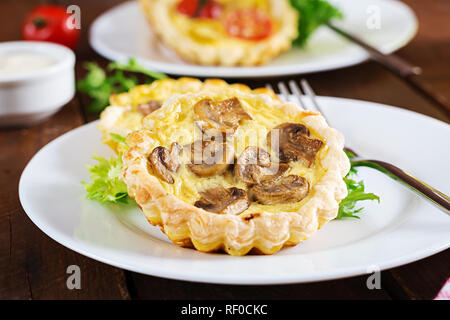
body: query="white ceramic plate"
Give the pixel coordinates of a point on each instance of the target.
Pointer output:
(123, 32)
(401, 229)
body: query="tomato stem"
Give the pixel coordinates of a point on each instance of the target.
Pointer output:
(39, 23)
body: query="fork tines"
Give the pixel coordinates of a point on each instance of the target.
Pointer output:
(295, 90)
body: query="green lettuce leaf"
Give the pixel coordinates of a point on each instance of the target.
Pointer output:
(313, 14)
(98, 85)
(348, 206)
(106, 185)
(133, 66)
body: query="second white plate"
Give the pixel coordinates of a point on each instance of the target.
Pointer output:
(401, 229)
(123, 32)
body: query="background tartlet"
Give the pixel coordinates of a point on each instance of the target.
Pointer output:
(219, 48)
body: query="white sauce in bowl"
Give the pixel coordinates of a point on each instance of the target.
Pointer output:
(15, 63)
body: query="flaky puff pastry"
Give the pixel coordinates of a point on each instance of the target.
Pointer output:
(216, 47)
(123, 115)
(262, 229)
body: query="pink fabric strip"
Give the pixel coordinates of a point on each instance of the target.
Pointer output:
(444, 294)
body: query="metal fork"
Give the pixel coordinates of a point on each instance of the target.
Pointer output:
(429, 193)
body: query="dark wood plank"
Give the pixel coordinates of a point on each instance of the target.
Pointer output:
(34, 266)
(422, 279)
(12, 15)
(431, 47)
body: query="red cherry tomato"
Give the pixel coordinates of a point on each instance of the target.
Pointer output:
(50, 23)
(187, 7)
(208, 9)
(248, 24)
(211, 10)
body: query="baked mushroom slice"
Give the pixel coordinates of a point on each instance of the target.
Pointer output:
(225, 201)
(147, 108)
(210, 158)
(254, 166)
(294, 143)
(164, 161)
(288, 189)
(219, 117)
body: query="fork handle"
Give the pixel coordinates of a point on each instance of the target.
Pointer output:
(393, 62)
(438, 198)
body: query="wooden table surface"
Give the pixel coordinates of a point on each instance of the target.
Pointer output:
(33, 266)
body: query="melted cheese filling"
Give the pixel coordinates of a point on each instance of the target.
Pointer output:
(176, 124)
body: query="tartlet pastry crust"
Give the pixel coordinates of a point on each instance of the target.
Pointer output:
(263, 231)
(231, 52)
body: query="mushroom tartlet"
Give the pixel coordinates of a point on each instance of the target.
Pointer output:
(224, 32)
(126, 110)
(268, 174)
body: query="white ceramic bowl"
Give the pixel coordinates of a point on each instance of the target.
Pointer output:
(29, 97)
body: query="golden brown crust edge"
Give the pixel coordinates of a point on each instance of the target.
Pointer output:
(184, 223)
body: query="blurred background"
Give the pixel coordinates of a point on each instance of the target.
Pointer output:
(430, 50)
